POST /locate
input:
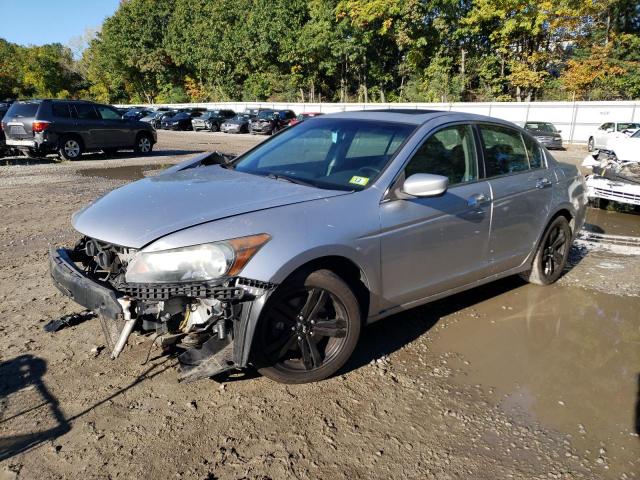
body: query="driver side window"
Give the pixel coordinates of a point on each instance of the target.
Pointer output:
(449, 152)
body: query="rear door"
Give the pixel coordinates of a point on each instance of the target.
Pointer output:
(115, 131)
(90, 126)
(521, 188)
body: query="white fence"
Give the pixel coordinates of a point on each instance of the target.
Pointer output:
(576, 120)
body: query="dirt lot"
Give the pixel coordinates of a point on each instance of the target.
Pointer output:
(505, 381)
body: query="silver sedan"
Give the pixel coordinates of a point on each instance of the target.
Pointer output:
(279, 257)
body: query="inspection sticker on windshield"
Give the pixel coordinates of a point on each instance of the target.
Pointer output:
(356, 180)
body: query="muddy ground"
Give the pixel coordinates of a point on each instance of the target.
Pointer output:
(505, 381)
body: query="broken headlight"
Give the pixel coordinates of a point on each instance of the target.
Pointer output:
(196, 263)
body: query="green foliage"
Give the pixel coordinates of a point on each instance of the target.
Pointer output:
(342, 50)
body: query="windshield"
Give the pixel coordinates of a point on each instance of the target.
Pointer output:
(27, 109)
(266, 115)
(628, 126)
(541, 127)
(336, 154)
(239, 118)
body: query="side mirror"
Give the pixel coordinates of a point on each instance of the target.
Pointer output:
(425, 185)
(559, 131)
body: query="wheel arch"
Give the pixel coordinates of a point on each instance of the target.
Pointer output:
(562, 211)
(347, 270)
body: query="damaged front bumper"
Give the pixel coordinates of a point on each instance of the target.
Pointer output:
(226, 340)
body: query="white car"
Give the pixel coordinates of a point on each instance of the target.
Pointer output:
(608, 131)
(626, 149)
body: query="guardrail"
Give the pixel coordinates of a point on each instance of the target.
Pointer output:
(576, 120)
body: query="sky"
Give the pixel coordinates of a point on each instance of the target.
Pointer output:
(36, 22)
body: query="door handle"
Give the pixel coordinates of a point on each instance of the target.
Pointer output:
(543, 183)
(476, 199)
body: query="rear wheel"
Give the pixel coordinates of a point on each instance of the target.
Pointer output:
(70, 148)
(551, 256)
(591, 144)
(309, 329)
(144, 143)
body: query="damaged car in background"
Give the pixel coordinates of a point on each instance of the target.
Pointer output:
(616, 172)
(276, 259)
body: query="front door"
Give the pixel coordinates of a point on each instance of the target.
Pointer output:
(432, 244)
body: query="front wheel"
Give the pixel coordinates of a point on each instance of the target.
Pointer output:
(214, 127)
(144, 144)
(308, 330)
(551, 256)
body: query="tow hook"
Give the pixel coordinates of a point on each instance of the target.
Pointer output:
(126, 330)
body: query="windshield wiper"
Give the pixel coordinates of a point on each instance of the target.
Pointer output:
(277, 176)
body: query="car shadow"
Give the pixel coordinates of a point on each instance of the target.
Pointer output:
(152, 154)
(26, 403)
(394, 332)
(26, 161)
(637, 412)
(22, 389)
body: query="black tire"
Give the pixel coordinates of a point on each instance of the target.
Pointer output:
(552, 253)
(308, 330)
(144, 144)
(591, 144)
(70, 147)
(31, 153)
(214, 127)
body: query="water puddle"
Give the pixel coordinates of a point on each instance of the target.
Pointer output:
(612, 223)
(566, 358)
(129, 172)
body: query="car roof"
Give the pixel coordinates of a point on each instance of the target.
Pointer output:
(415, 117)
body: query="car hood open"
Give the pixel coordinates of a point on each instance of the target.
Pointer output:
(138, 213)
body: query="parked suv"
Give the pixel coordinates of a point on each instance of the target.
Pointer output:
(211, 120)
(271, 121)
(71, 127)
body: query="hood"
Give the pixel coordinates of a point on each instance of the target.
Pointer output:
(143, 211)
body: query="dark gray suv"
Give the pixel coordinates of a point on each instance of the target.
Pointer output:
(71, 127)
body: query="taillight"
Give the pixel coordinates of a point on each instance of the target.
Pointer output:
(39, 126)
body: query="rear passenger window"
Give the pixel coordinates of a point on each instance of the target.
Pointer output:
(449, 152)
(86, 111)
(108, 114)
(504, 150)
(61, 110)
(535, 153)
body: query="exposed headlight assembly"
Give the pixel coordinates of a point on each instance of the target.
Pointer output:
(196, 263)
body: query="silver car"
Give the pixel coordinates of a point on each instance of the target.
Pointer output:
(279, 257)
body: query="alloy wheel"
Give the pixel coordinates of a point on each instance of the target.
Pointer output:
(72, 148)
(305, 330)
(554, 251)
(144, 145)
